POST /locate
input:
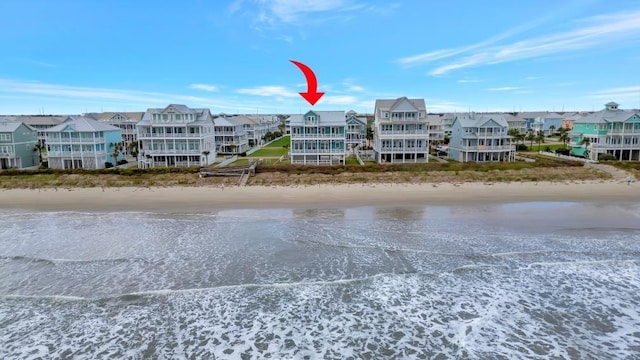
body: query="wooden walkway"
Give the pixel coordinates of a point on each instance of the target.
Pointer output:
(243, 172)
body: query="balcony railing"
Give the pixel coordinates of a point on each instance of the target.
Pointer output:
(615, 146)
(322, 136)
(623, 131)
(66, 140)
(172, 152)
(7, 154)
(168, 135)
(317, 151)
(403, 132)
(403, 149)
(74, 153)
(484, 147)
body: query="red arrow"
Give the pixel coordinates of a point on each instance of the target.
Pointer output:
(312, 95)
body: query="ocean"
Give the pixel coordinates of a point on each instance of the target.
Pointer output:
(547, 280)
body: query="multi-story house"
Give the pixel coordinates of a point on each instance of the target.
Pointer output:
(542, 121)
(318, 138)
(231, 136)
(126, 121)
(257, 126)
(81, 142)
(447, 122)
(480, 138)
(41, 123)
(356, 130)
(436, 127)
(17, 145)
(401, 131)
(609, 131)
(176, 136)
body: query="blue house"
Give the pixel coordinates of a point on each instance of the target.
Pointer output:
(83, 143)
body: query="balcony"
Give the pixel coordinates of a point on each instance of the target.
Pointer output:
(614, 146)
(168, 135)
(172, 152)
(403, 149)
(67, 140)
(403, 132)
(489, 148)
(623, 131)
(321, 136)
(7, 154)
(317, 151)
(77, 154)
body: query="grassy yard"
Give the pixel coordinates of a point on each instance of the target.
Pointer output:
(351, 161)
(285, 140)
(241, 161)
(543, 147)
(270, 151)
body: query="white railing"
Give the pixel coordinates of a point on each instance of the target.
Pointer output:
(317, 151)
(74, 153)
(322, 136)
(403, 149)
(483, 147)
(167, 135)
(172, 152)
(66, 140)
(7, 154)
(623, 131)
(616, 146)
(402, 132)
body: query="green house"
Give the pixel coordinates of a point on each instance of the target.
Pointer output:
(17, 145)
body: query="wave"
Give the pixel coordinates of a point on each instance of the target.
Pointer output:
(68, 261)
(583, 263)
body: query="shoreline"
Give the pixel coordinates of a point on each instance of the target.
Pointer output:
(182, 198)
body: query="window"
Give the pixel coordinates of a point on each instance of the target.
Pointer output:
(385, 115)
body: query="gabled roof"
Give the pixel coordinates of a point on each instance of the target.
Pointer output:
(83, 124)
(393, 104)
(179, 108)
(606, 115)
(539, 114)
(227, 121)
(200, 116)
(106, 116)
(353, 119)
(481, 120)
(10, 125)
(324, 118)
(41, 120)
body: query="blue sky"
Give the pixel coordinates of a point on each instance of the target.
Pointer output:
(67, 56)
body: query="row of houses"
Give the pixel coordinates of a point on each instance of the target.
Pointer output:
(403, 132)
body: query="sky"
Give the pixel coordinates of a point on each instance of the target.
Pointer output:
(71, 57)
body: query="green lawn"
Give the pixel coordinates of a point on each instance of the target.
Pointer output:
(351, 161)
(270, 151)
(285, 140)
(543, 146)
(241, 161)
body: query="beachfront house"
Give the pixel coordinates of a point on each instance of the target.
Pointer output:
(257, 126)
(41, 123)
(318, 138)
(231, 136)
(17, 145)
(401, 131)
(176, 136)
(542, 121)
(480, 138)
(609, 131)
(126, 121)
(356, 130)
(81, 142)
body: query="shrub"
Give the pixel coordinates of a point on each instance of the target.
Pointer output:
(521, 147)
(122, 162)
(563, 151)
(108, 165)
(44, 164)
(547, 148)
(606, 156)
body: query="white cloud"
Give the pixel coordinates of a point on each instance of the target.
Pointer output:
(350, 86)
(339, 100)
(279, 91)
(504, 88)
(466, 81)
(629, 94)
(204, 87)
(609, 30)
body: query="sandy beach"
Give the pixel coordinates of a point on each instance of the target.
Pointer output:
(215, 198)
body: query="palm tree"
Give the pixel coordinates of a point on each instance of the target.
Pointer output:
(39, 148)
(552, 129)
(133, 148)
(369, 135)
(530, 137)
(586, 142)
(206, 156)
(116, 149)
(540, 138)
(233, 147)
(564, 136)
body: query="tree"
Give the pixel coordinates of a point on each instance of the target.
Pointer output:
(116, 149)
(206, 156)
(540, 138)
(514, 133)
(134, 148)
(530, 137)
(369, 135)
(552, 129)
(39, 148)
(586, 142)
(282, 127)
(564, 136)
(233, 147)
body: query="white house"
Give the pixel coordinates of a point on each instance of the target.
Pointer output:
(401, 131)
(480, 138)
(176, 136)
(82, 142)
(318, 138)
(126, 121)
(231, 136)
